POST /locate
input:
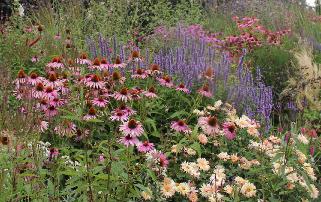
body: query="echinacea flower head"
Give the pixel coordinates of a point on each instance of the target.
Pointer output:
(154, 69)
(94, 81)
(118, 63)
(139, 74)
(21, 77)
(50, 93)
(205, 91)
(66, 128)
(100, 101)
(145, 146)
(159, 158)
(181, 87)
(166, 81)
(122, 95)
(83, 59)
(53, 80)
(51, 111)
(209, 73)
(38, 91)
(209, 125)
(119, 115)
(151, 92)
(129, 140)
(127, 110)
(34, 78)
(104, 65)
(229, 129)
(92, 114)
(95, 64)
(132, 127)
(56, 63)
(180, 126)
(117, 77)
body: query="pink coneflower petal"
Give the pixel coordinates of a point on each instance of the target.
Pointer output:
(180, 126)
(34, 59)
(205, 91)
(150, 93)
(43, 126)
(166, 81)
(132, 128)
(50, 93)
(129, 111)
(119, 115)
(67, 128)
(100, 102)
(122, 95)
(139, 74)
(21, 78)
(94, 81)
(51, 111)
(34, 79)
(160, 158)
(104, 65)
(118, 63)
(91, 114)
(128, 140)
(57, 102)
(145, 146)
(55, 63)
(229, 130)
(95, 65)
(38, 91)
(181, 87)
(209, 125)
(83, 60)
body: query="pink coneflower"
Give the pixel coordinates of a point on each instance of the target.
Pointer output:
(55, 63)
(129, 111)
(38, 91)
(35, 59)
(83, 60)
(57, 37)
(229, 130)
(51, 111)
(91, 114)
(21, 78)
(53, 153)
(132, 128)
(122, 95)
(166, 81)
(180, 126)
(145, 146)
(57, 102)
(117, 77)
(53, 81)
(154, 69)
(209, 73)
(95, 65)
(100, 101)
(50, 93)
(66, 128)
(209, 125)
(119, 115)
(181, 87)
(151, 93)
(34, 79)
(135, 93)
(101, 158)
(43, 126)
(160, 158)
(135, 56)
(205, 91)
(94, 81)
(43, 104)
(139, 74)
(128, 140)
(118, 63)
(104, 65)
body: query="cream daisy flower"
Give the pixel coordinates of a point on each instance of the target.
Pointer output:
(248, 190)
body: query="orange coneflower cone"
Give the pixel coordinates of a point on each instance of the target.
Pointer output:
(209, 73)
